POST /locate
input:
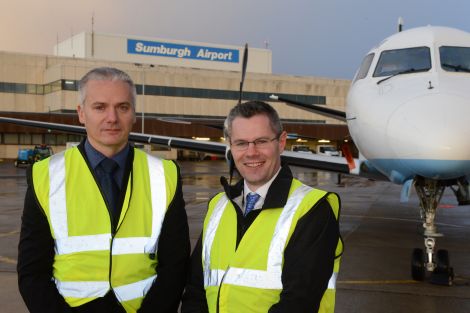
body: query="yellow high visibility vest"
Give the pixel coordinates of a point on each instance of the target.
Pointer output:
(247, 278)
(89, 260)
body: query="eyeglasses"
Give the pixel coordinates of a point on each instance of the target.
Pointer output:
(260, 143)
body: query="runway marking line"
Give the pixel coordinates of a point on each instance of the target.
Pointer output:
(445, 206)
(377, 282)
(14, 232)
(398, 219)
(4, 259)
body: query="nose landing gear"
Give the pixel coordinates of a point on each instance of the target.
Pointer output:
(437, 263)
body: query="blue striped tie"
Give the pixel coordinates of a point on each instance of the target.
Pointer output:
(251, 199)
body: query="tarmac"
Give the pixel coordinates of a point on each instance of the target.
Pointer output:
(379, 234)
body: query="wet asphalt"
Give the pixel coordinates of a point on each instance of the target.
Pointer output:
(379, 234)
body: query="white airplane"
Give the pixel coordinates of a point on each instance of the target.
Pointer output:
(407, 112)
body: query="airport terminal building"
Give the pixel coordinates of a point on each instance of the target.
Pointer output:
(175, 80)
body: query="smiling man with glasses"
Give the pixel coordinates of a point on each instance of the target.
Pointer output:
(259, 162)
(269, 243)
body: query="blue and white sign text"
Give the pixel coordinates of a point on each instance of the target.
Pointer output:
(165, 49)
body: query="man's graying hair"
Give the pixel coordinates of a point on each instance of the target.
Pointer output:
(106, 73)
(249, 109)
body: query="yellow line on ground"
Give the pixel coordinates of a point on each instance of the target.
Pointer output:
(4, 259)
(14, 232)
(377, 282)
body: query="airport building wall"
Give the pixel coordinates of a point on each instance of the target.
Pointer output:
(47, 86)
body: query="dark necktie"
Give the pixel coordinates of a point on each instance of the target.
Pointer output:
(109, 185)
(251, 199)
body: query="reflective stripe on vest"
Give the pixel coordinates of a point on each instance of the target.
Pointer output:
(58, 209)
(58, 213)
(157, 185)
(101, 242)
(332, 281)
(85, 289)
(269, 279)
(213, 277)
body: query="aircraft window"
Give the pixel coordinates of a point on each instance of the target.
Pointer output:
(365, 65)
(408, 60)
(455, 59)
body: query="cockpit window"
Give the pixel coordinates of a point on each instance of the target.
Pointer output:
(365, 65)
(407, 60)
(455, 59)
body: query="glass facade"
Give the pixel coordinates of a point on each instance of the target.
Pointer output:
(37, 139)
(222, 94)
(166, 91)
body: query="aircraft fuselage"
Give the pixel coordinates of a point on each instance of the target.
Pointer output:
(410, 113)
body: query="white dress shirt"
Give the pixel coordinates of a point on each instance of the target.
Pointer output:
(262, 191)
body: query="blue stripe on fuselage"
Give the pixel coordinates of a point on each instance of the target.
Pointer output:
(400, 170)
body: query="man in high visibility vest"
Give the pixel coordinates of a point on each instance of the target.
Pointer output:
(104, 228)
(269, 243)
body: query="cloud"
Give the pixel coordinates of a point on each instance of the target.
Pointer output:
(308, 37)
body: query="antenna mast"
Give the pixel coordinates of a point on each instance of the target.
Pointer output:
(93, 34)
(400, 24)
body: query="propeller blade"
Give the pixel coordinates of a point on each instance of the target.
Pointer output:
(245, 61)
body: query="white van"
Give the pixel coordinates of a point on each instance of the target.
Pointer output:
(301, 148)
(328, 150)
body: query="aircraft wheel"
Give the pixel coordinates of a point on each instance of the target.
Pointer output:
(418, 270)
(442, 259)
(443, 274)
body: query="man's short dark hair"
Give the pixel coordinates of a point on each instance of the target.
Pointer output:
(249, 109)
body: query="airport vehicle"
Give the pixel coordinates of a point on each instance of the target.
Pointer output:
(407, 112)
(24, 157)
(301, 149)
(29, 156)
(327, 150)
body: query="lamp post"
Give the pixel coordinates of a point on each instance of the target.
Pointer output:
(143, 67)
(143, 99)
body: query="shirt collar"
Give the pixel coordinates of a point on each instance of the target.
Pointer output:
(262, 191)
(95, 157)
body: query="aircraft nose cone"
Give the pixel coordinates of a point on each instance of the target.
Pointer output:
(426, 131)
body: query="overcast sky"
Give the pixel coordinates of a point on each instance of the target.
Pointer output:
(326, 38)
